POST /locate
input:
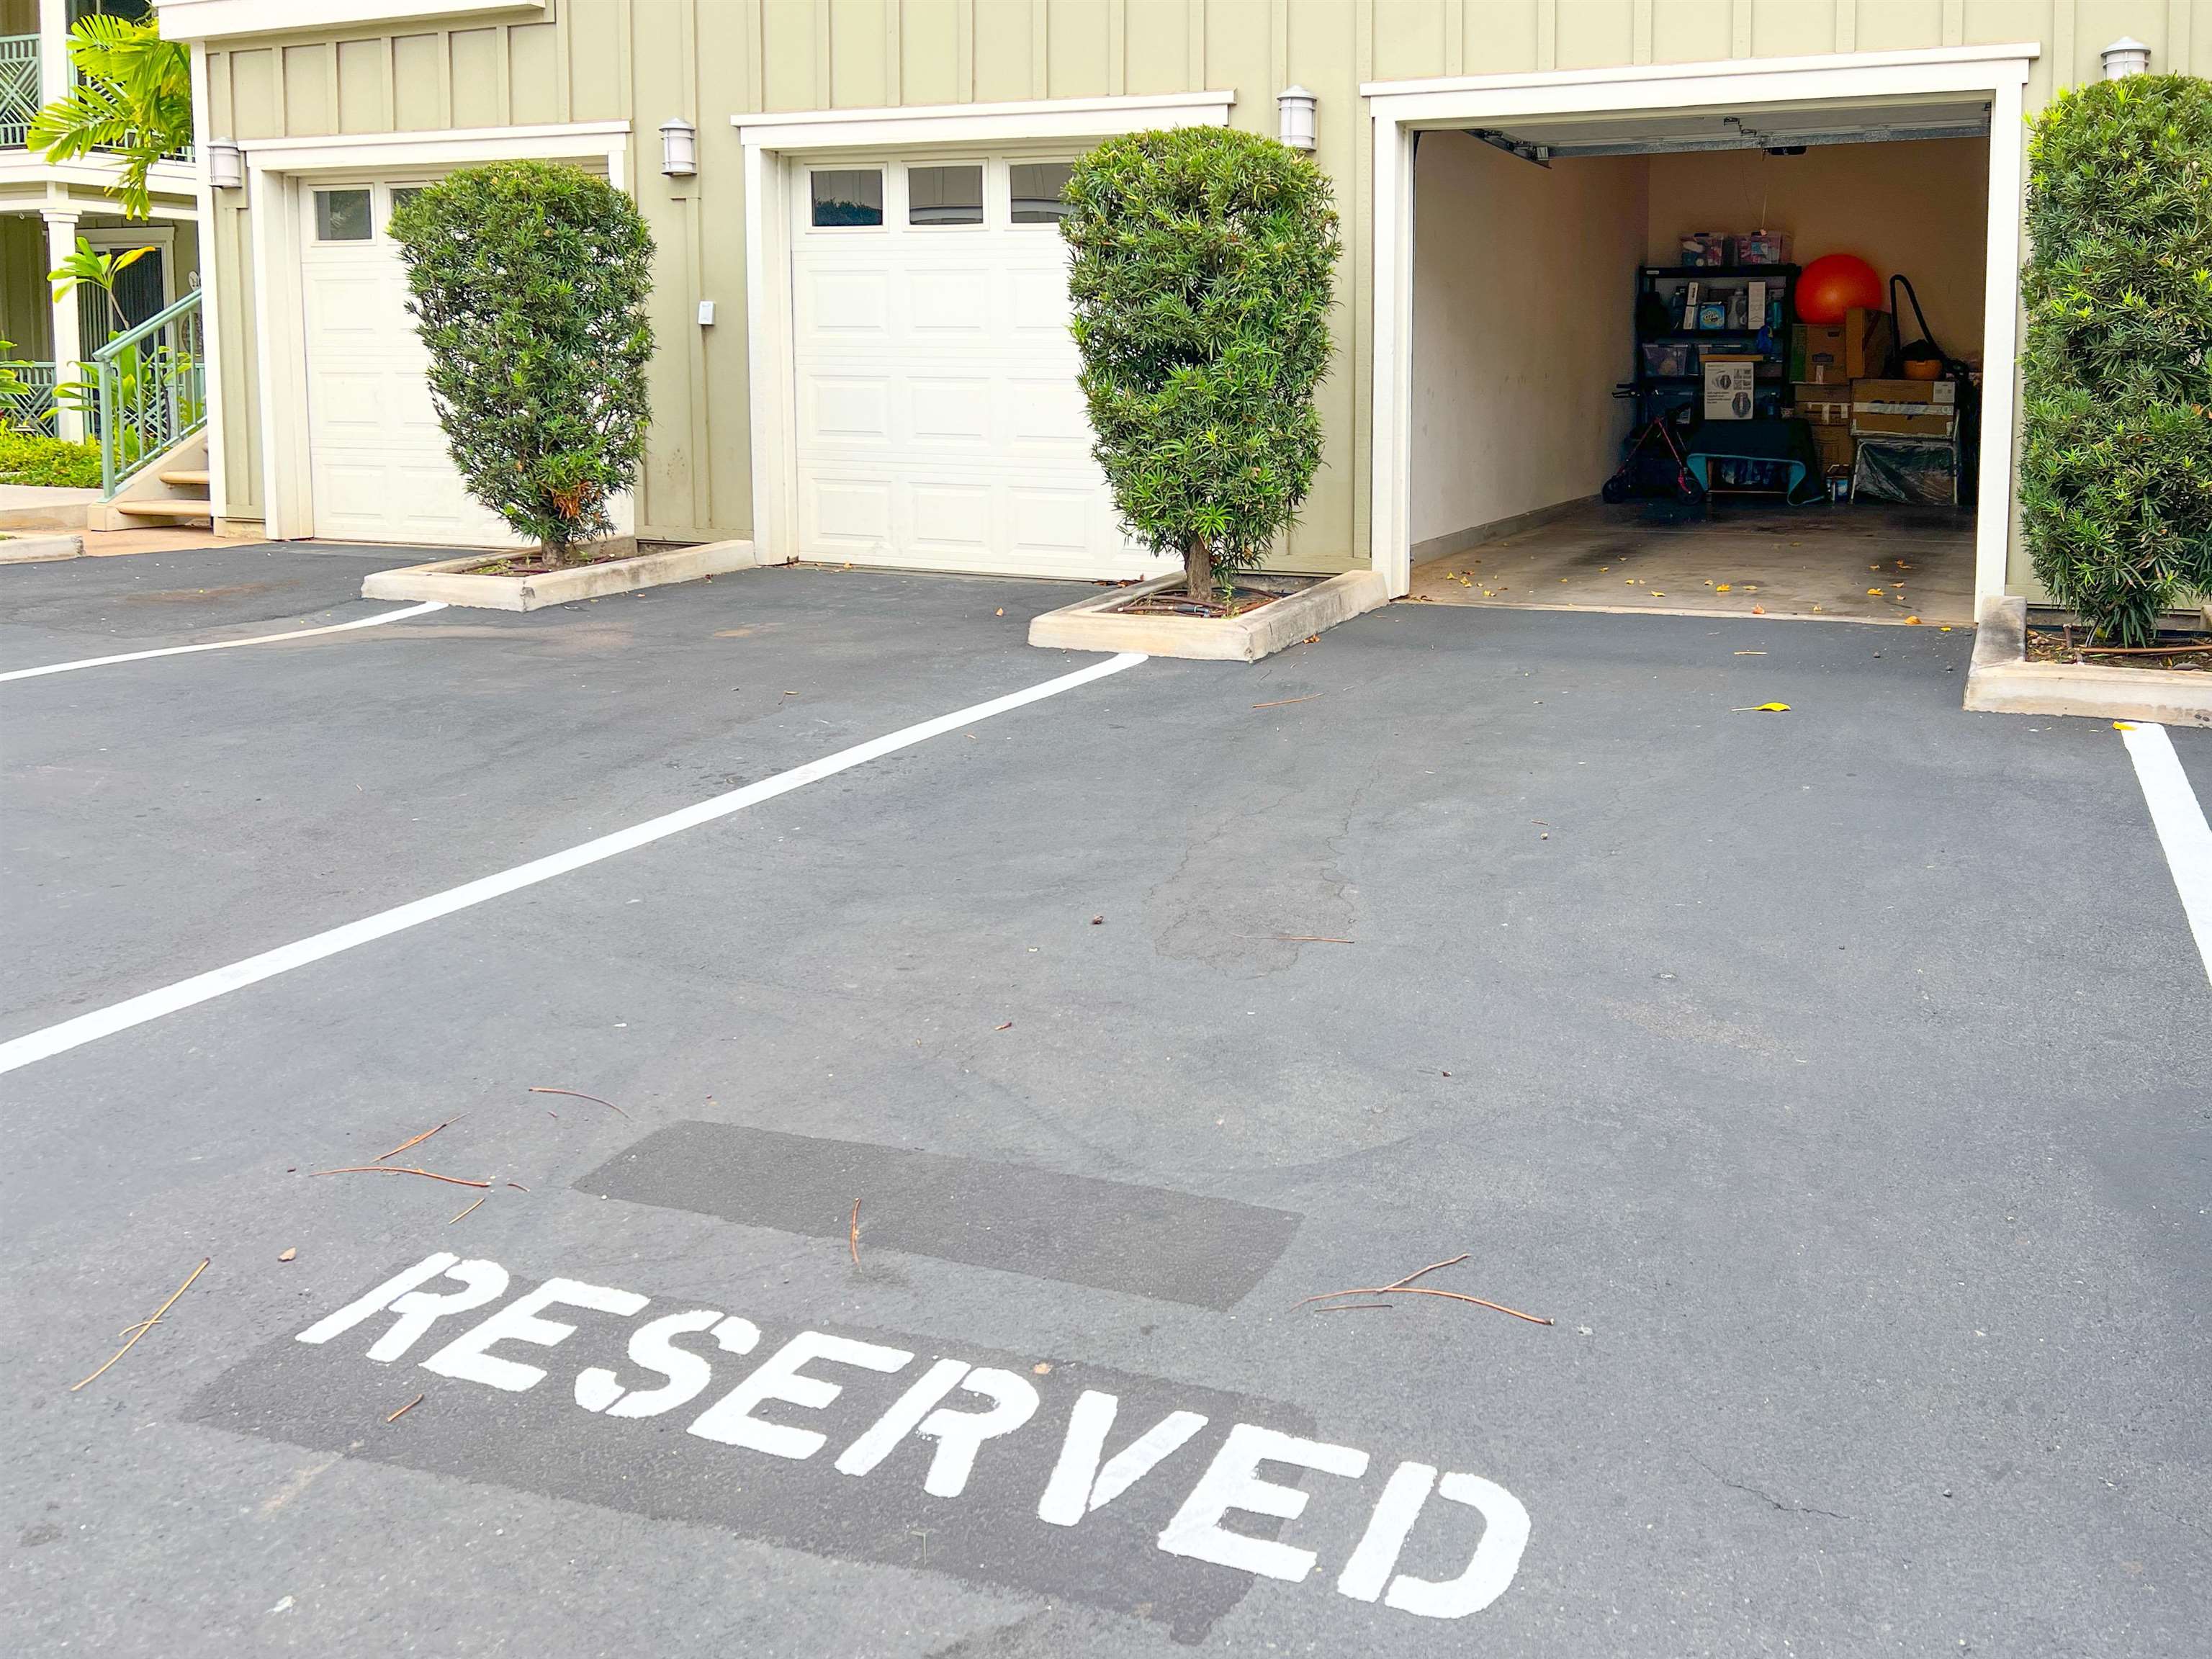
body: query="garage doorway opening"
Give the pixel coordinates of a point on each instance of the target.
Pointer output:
(1616, 406)
(1578, 268)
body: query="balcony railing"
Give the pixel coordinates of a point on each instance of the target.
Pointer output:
(31, 410)
(19, 87)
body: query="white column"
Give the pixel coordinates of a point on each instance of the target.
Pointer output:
(53, 50)
(68, 340)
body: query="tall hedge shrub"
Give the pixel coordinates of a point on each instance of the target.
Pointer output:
(529, 284)
(2116, 475)
(1201, 284)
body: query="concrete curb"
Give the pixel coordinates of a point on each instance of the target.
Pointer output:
(1099, 624)
(2001, 681)
(40, 549)
(444, 579)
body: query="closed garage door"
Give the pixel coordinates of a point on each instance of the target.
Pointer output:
(940, 425)
(380, 469)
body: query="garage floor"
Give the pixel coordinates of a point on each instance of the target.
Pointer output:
(1821, 561)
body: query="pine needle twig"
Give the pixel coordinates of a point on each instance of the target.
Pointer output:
(145, 1326)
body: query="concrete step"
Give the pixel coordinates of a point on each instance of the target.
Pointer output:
(169, 509)
(184, 479)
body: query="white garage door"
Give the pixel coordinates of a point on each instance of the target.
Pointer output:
(378, 459)
(939, 423)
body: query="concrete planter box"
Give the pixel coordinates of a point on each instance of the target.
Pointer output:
(18, 549)
(1102, 623)
(447, 579)
(2001, 681)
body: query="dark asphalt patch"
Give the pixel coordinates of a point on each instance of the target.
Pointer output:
(1111, 1234)
(331, 1397)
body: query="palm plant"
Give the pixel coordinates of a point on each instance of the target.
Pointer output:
(133, 100)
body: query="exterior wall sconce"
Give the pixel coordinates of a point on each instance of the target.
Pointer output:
(1295, 108)
(225, 165)
(679, 148)
(2124, 57)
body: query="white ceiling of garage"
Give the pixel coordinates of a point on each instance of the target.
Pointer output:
(1651, 133)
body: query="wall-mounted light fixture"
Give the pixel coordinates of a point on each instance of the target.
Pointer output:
(2124, 57)
(225, 165)
(679, 148)
(1294, 109)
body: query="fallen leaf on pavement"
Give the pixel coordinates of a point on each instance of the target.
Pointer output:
(1763, 708)
(286, 1255)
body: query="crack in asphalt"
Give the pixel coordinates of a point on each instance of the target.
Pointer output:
(1786, 1507)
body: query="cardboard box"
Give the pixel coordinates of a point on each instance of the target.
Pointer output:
(1834, 354)
(1830, 404)
(1908, 409)
(1837, 446)
(1816, 355)
(1869, 344)
(1730, 384)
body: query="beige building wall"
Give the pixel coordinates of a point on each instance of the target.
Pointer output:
(645, 60)
(1919, 207)
(1523, 325)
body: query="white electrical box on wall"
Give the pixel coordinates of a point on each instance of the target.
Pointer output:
(706, 314)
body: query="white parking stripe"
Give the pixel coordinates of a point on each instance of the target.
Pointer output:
(105, 1022)
(2180, 824)
(225, 645)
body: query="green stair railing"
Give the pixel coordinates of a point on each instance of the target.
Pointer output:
(150, 384)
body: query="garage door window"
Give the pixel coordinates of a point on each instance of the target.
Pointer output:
(342, 215)
(1034, 187)
(848, 196)
(944, 195)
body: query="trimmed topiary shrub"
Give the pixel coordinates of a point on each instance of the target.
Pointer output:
(1200, 285)
(529, 282)
(2116, 475)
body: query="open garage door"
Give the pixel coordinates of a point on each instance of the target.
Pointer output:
(1585, 284)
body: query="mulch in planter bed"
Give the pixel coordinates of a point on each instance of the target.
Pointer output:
(2189, 653)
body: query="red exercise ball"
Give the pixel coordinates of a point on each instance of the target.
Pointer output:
(1835, 283)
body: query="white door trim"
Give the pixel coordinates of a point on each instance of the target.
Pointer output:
(1400, 109)
(276, 168)
(771, 144)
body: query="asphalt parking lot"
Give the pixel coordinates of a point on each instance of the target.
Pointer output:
(1836, 1083)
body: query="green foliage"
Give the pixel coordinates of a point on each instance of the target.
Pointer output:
(2116, 474)
(1201, 284)
(530, 284)
(133, 99)
(11, 383)
(26, 459)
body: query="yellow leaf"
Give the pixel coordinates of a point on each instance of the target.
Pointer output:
(1876, 592)
(1725, 588)
(1912, 622)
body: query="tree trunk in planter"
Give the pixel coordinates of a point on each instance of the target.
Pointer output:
(1198, 571)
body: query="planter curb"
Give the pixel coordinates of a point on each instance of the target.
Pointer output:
(40, 549)
(2001, 681)
(1099, 623)
(444, 579)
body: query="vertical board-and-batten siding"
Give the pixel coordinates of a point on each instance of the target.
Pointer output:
(645, 60)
